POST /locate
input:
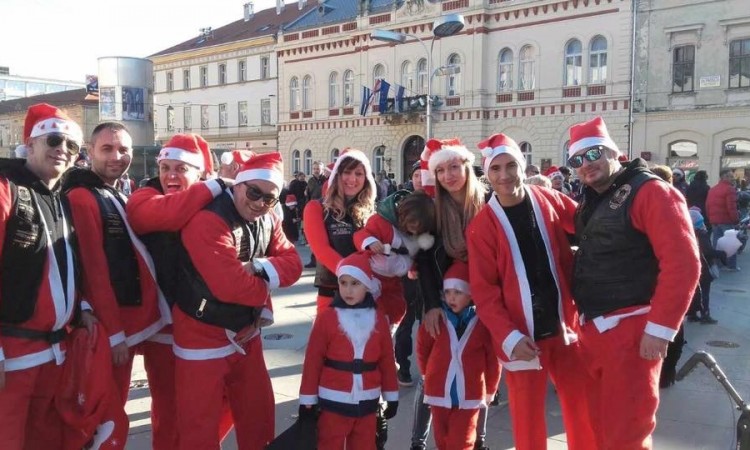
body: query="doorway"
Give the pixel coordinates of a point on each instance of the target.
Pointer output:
(412, 151)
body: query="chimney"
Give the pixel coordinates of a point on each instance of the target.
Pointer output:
(248, 10)
(301, 4)
(279, 6)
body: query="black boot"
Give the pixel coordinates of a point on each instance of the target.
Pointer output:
(480, 445)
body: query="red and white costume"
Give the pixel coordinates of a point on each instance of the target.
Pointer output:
(210, 361)
(471, 361)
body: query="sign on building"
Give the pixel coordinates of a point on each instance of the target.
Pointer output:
(711, 81)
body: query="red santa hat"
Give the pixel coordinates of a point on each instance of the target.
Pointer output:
(498, 144)
(589, 134)
(263, 166)
(457, 277)
(44, 119)
(190, 149)
(235, 156)
(553, 172)
(348, 153)
(357, 266)
(290, 200)
(438, 151)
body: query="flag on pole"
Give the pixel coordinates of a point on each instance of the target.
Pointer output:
(375, 91)
(383, 100)
(366, 94)
(399, 99)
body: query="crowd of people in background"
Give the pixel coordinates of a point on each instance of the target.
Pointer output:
(509, 272)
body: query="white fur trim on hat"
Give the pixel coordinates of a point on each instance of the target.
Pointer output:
(57, 125)
(448, 153)
(359, 156)
(372, 284)
(274, 176)
(588, 142)
(490, 154)
(457, 284)
(179, 154)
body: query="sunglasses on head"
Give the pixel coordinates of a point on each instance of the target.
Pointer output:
(591, 154)
(254, 194)
(55, 139)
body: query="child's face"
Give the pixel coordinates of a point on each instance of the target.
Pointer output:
(413, 228)
(456, 300)
(352, 290)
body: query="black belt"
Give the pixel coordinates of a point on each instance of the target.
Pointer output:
(357, 366)
(52, 337)
(326, 292)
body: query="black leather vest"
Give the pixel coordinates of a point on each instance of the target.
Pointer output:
(615, 266)
(163, 246)
(341, 238)
(194, 297)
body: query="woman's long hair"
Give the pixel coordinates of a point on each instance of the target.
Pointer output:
(452, 218)
(360, 208)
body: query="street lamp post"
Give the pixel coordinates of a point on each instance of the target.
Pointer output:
(444, 26)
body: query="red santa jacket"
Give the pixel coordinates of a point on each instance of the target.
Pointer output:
(55, 302)
(346, 334)
(497, 276)
(471, 360)
(131, 324)
(210, 245)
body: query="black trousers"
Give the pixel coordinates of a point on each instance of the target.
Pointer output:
(403, 344)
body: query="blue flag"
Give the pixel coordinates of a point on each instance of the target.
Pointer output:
(384, 88)
(399, 98)
(366, 93)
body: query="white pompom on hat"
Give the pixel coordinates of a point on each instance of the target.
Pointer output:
(42, 119)
(499, 144)
(263, 166)
(589, 134)
(457, 277)
(357, 266)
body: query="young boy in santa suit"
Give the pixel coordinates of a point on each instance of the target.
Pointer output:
(349, 362)
(401, 228)
(461, 371)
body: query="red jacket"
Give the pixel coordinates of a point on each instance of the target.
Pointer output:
(721, 204)
(499, 285)
(345, 334)
(471, 360)
(209, 242)
(315, 232)
(130, 324)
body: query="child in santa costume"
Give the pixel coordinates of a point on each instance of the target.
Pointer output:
(394, 235)
(520, 265)
(349, 362)
(461, 371)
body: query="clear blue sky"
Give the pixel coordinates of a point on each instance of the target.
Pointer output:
(62, 39)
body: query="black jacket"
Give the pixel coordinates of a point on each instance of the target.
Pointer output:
(431, 266)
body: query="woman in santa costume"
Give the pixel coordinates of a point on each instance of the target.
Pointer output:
(520, 266)
(447, 172)
(460, 366)
(233, 254)
(349, 362)
(157, 212)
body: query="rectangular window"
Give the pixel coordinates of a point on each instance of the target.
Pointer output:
(204, 117)
(170, 119)
(222, 74)
(739, 63)
(683, 68)
(265, 111)
(187, 118)
(204, 76)
(170, 81)
(186, 79)
(264, 68)
(242, 113)
(223, 117)
(242, 70)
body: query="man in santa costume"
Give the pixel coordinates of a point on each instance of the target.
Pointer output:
(233, 252)
(156, 213)
(632, 283)
(520, 264)
(38, 292)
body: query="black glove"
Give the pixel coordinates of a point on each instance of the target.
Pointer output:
(308, 412)
(391, 410)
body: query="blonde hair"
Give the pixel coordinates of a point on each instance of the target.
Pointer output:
(361, 207)
(453, 218)
(539, 180)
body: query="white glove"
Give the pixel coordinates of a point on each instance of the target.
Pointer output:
(390, 266)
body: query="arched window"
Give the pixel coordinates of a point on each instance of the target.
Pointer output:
(295, 161)
(526, 150)
(348, 88)
(294, 94)
(307, 93)
(333, 90)
(454, 80)
(526, 77)
(334, 155)
(407, 76)
(736, 146)
(308, 162)
(378, 158)
(505, 71)
(573, 63)
(598, 60)
(422, 76)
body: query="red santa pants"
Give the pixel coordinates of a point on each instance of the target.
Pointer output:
(337, 432)
(454, 429)
(625, 387)
(391, 301)
(28, 418)
(159, 362)
(201, 387)
(527, 391)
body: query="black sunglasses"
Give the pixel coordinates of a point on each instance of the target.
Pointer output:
(592, 154)
(55, 139)
(254, 194)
